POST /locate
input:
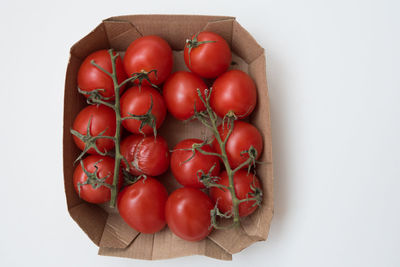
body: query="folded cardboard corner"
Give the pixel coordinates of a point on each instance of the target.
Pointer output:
(103, 225)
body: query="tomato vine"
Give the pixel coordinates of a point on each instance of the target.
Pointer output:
(95, 98)
(210, 119)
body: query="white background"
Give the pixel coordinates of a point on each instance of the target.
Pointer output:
(334, 83)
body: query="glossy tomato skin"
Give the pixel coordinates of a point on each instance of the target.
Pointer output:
(149, 53)
(244, 135)
(142, 205)
(209, 60)
(186, 172)
(181, 96)
(137, 101)
(243, 182)
(234, 91)
(145, 155)
(90, 77)
(102, 118)
(105, 167)
(188, 213)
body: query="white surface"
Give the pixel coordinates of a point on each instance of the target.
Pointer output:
(334, 81)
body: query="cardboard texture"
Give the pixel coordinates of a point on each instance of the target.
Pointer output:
(103, 225)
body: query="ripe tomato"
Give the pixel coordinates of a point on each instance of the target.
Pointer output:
(101, 118)
(142, 205)
(145, 155)
(210, 59)
(95, 193)
(186, 173)
(188, 213)
(180, 94)
(243, 182)
(90, 77)
(149, 53)
(243, 136)
(234, 91)
(137, 101)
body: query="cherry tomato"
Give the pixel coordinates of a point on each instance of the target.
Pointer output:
(234, 91)
(188, 213)
(96, 193)
(91, 78)
(187, 172)
(209, 59)
(243, 136)
(145, 155)
(181, 96)
(137, 101)
(243, 183)
(142, 205)
(101, 119)
(149, 53)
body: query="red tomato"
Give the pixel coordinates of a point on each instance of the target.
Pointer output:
(94, 194)
(90, 77)
(180, 94)
(142, 205)
(137, 101)
(145, 155)
(186, 173)
(188, 213)
(101, 118)
(234, 91)
(210, 59)
(243, 136)
(149, 53)
(243, 182)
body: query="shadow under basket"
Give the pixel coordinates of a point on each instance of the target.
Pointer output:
(103, 225)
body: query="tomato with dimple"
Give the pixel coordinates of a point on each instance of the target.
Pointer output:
(243, 136)
(101, 119)
(137, 101)
(188, 213)
(90, 77)
(181, 95)
(96, 193)
(146, 54)
(187, 172)
(245, 184)
(142, 205)
(145, 155)
(209, 59)
(234, 91)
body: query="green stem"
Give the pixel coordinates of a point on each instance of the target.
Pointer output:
(245, 163)
(248, 199)
(117, 137)
(208, 153)
(224, 157)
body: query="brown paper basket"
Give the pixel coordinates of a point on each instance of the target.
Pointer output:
(103, 225)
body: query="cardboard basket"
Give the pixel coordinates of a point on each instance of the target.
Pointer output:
(103, 225)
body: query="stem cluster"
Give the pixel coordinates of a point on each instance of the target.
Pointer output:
(210, 119)
(95, 98)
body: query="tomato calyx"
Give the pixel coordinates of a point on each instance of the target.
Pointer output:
(230, 116)
(251, 161)
(215, 213)
(130, 179)
(255, 195)
(144, 76)
(146, 119)
(89, 140)
(92, 178)
(94, 97)
(207, 179)
(193, 43)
